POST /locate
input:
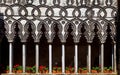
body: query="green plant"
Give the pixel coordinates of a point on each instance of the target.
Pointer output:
(67, 68)
(105, 68)
(46, 68)
(33, 69)
(96, 68)
(84, 68)
(55, 68)
(59, 69)
(110, 68)
(17, 67)
(28, 69)
(7, 67)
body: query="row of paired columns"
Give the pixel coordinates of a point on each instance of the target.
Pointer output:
(63, 58)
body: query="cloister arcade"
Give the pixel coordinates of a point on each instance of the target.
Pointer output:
(77, 33)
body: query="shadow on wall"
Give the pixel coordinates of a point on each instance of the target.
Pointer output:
(118, 38)
(4, 45)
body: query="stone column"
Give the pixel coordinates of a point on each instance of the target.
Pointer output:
(37, 57)
(76, 58)
(112, 57)
(63, 58)
(24, 57)
(89, 58)
(10, 57)
(50, 58)
(102, 57)
(115, 62)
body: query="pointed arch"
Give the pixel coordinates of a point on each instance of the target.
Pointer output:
(33, 27)
(88, 34)
(92, 26)
(59, 27)
(19, 26)
(85, 25)
(67, 26)
(113, 30)
(39, 27)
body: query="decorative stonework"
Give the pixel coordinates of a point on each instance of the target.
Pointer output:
(62, 12)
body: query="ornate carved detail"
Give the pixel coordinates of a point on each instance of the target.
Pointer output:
(76, 26)
(49, 31)
(63, 12)
(89, 34)
(63, 34)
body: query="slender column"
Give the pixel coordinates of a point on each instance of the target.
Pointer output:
(102, 57)
(89, 58)
(10, 57)
(76, 58)
(50, 58)
(63, 58)
(115, 62)
(24, 57)
(37, 58)
(112, 57)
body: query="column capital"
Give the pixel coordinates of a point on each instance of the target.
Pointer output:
(49, 42)
(23, 42)
(114, 42)
(89, 43)
(36, 42)
(102, 42)
(10, 41)
(76, 43)
(63, 42)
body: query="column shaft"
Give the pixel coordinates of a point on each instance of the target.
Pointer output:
(10, 58)
(115, 62)
(50, 58)
(89, 58)
(102, 57)
(37, 58)
(24, 57)
(113, 58)
(63, 58)
(76, 58)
